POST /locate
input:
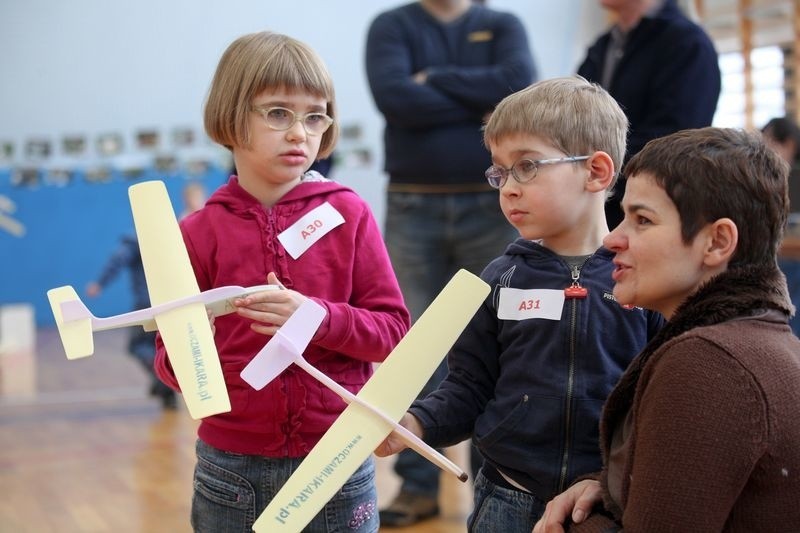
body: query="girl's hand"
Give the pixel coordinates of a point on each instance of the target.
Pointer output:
(577, 502)
(269, 310)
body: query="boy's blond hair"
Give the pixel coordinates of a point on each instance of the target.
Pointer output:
(254, 63)
(576, 116)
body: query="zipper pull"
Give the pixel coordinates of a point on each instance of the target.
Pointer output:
(575, 290)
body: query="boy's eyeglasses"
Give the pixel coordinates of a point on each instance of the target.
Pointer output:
(524, 170)
(281, 119)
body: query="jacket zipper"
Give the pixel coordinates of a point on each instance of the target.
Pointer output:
(574, 293)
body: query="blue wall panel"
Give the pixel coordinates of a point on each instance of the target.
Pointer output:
(71, 231)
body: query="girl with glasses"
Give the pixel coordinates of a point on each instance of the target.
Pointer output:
(272, 104)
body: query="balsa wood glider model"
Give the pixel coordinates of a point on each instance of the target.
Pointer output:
(373, 413)
(76, 323)
(287, 347)
(179, 309)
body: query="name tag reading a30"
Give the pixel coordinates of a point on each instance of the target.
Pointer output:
(522, 304)
(311, 227)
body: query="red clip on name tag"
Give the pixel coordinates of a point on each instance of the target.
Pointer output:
(575, 291)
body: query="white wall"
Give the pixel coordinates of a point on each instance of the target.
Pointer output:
(94, 66)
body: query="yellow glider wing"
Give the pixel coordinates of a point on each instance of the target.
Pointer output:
(358, 431)
(185, 331)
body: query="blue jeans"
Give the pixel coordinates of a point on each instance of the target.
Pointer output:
(429, 238)
(791, 269)
(500, 509)
(231, 490)
(142, 346)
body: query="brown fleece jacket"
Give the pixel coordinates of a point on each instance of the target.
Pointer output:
(714, 443)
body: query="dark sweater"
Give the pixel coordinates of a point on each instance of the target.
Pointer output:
(668, 78)
(127, 256)
(433, 130)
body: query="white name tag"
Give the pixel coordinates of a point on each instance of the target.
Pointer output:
(522, 304)
(311, 227)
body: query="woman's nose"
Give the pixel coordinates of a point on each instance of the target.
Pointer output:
(615, 240)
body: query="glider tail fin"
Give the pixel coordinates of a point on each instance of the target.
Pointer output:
(74, 321)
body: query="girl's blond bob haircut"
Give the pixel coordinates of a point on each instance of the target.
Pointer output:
(257, 62)
(576, 116)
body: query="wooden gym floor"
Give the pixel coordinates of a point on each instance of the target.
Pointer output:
(84, 449)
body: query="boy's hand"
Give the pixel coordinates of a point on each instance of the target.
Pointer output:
(393, 444)
(269, 309)
(577, 502)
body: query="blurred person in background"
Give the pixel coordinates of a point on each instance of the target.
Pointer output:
(436, 69)
(661, 67)
(783, 135)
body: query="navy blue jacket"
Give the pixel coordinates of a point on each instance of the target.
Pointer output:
(433, 130)
(127, 256)
(530, 392)
(668, 78)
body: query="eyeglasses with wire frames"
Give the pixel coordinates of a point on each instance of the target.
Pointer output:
(281, 119)
(524, 170)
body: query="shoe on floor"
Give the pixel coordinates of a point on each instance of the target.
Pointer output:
(408, 509)
(169, 401)
(165, 394)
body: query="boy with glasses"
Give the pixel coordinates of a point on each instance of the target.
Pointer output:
(530, 373)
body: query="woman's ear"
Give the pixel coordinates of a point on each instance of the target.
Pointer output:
(722, 238)
(601, 172)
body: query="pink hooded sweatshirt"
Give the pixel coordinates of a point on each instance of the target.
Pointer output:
(233, 240)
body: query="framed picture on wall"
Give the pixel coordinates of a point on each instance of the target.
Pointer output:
(98, 174)
(38, 149)
(351, 132)
(59, 176)
(132, 172)
(74, 145)
(26, 176)
(109, 144)
(182, 137)
(197, 166)
(6, 152)
(131, 166)
(165, 163)
(147, 139)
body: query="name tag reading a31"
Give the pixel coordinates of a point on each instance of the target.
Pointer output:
(311, 227)
(522, 304)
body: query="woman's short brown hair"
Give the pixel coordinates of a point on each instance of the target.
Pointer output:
(713, 173)
(254, 63)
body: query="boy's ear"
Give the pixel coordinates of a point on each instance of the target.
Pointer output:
(601, 172)
(722, 236)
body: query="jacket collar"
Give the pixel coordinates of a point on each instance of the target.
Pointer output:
(236, 199)
(738, 292)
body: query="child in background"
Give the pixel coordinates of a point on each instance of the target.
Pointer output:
(141, 343)
(272, 103)
(194, 198)
(529, 375)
